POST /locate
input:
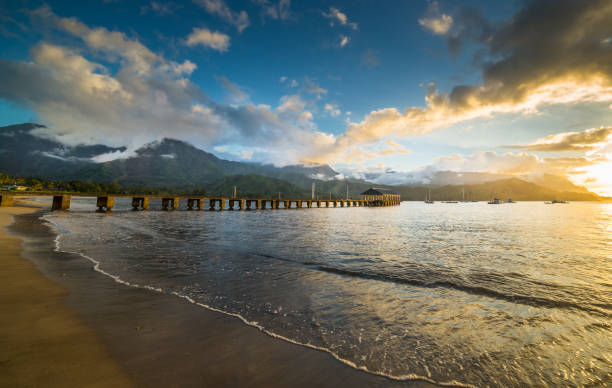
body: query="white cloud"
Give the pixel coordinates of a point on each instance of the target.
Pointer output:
(520, 76)
(332, 109)
(312, 87)
(186, 67)
(393, 148)
(282, 79)
(240, 20)
(138, 96)
(292, 103)
(336, 16)
(279, 10)
(294, 83)
(213, 39)
(435, 21)
(160, 8)
(438, 26)
(246, 155)
(344, 40)
(234, 91)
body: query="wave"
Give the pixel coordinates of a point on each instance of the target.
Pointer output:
(471, 289)
(455, 284)
(59, 231)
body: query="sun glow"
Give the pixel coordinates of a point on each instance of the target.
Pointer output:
(599, 177)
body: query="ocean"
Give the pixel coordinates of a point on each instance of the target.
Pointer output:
(463, 294)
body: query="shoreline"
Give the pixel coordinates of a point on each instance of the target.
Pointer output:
(162, 340)
(43, 342)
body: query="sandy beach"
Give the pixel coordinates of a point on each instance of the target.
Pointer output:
(43, 343)
(66, 325)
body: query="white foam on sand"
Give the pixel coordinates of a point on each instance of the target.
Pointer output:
(59, 231)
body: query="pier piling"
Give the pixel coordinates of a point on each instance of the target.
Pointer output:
(140, 203)
(197, 202)
(171, 202)
(6, 200)
(61, 202)
(105, 203)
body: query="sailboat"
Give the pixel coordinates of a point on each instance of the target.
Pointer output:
(428, 197)
(494, 201)
(463, 200)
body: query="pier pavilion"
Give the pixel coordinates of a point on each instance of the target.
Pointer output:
(380, 197)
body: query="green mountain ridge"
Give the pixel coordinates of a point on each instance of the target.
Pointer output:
(175, 166)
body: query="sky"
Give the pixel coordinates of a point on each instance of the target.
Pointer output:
(391, 89)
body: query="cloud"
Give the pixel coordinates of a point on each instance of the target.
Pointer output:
(7, 23)
(246, 155)
(294, 83)
(435, 21)
(160, 8)
(370, 59)
(336, 16)
(393, 148)
(591, 167)
(234, 91)
(332, 109)
(566, 64)
(282, 79)
(344, 40)
(240, 20)
(134, 56)
(570, 141)
(585, 169)
(281, 10)
(213, 39)
(312, 87)
(113, 90)
(495, 165)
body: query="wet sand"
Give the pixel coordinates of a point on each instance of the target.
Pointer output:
(137, 336)
(42, 343)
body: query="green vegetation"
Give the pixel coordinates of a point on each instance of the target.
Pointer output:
(252, 185)
(514, 188)
(256, 186)
(77, 186)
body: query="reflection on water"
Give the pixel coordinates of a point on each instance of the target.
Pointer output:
(511, 295)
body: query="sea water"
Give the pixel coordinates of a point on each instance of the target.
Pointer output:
(468, 293)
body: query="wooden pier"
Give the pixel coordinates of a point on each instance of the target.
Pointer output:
(106, 202)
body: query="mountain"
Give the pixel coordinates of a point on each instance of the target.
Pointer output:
(165, 163)
(174, 165)
(513, 188)
(256, 186)
(22, 152)
(554, 182)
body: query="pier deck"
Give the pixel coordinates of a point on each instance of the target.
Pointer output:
(106, 202)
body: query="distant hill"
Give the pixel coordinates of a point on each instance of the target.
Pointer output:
(511, 188)
(556, 183)
(256, 186)
(176, 165)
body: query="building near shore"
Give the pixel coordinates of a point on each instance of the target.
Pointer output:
(381, 197)
(14, 188)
